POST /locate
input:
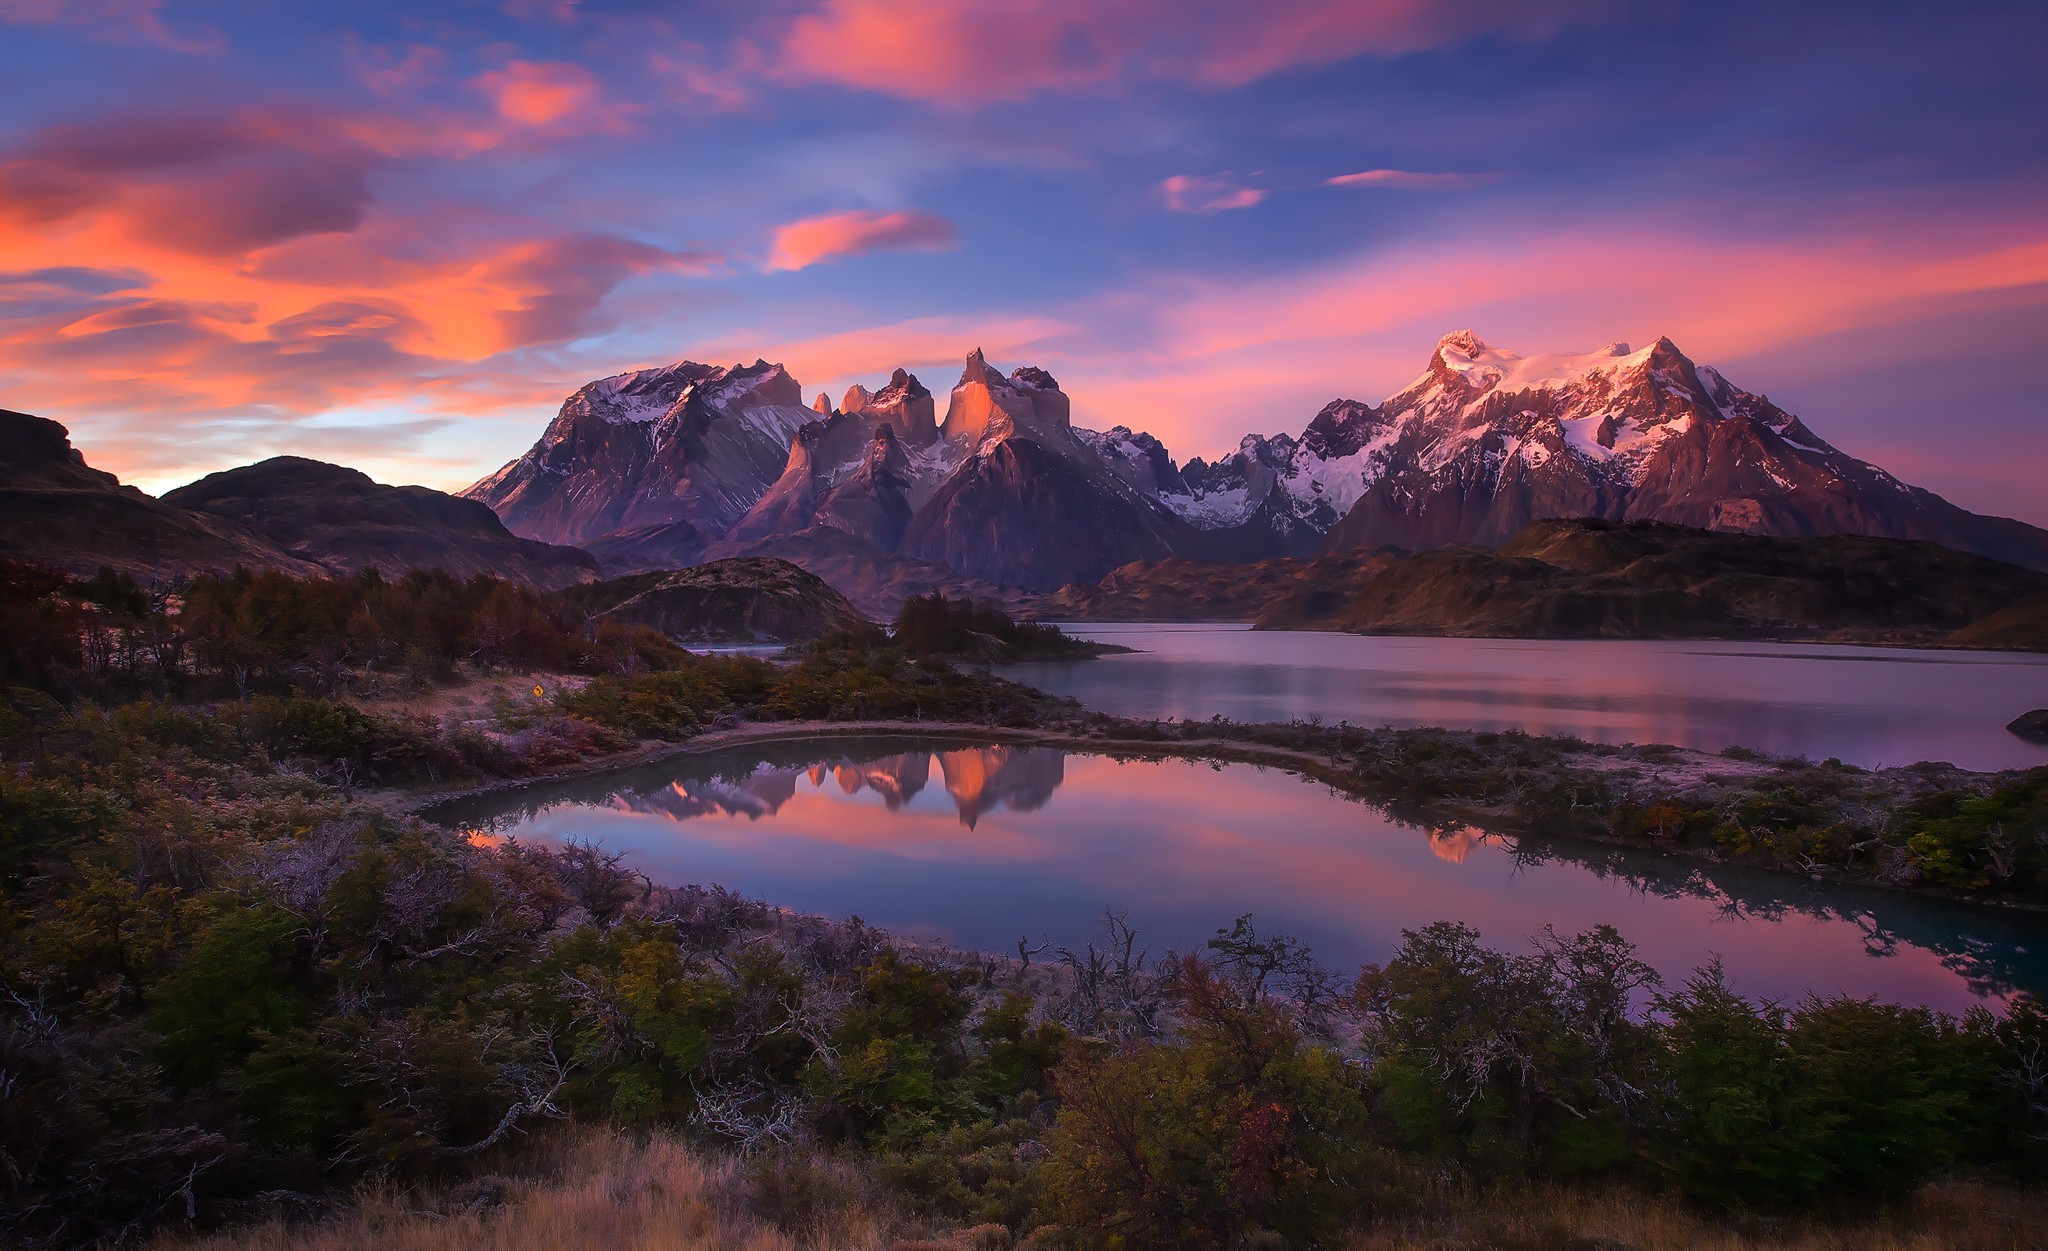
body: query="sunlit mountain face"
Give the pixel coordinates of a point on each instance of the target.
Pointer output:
(396, 237)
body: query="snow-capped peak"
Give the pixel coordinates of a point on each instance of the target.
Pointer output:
(1484, 367)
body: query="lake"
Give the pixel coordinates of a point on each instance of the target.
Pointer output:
(1867, 706)
(981, 845)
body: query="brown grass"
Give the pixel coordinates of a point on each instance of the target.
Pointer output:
(606, 1191)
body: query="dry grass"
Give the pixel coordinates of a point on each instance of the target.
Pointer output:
(1950, 1215)
(605, 1191)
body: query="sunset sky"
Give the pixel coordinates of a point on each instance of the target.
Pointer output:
(396, 235)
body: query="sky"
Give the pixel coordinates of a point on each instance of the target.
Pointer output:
(398, 235)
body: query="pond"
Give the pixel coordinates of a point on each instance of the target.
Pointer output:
(982, 844)
(1867, 706)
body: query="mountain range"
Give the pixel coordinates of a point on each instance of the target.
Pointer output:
(669, 466)
(1001, 495)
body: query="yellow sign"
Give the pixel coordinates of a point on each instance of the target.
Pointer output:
(538, 692)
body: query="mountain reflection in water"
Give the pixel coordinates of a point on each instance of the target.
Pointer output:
(983, 844)
(977, 778)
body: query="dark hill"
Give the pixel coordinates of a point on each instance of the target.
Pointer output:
(1599, 579)
(750, 599)
(341, 520)
(1182, 589)
(57, 510)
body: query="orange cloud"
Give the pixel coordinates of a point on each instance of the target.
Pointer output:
(830, 235)
(1195, 193)
(951, 52)
(192, 301)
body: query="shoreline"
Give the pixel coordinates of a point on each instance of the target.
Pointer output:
(1777, 640)
(1313, 766)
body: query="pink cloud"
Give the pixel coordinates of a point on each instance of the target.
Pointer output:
(1197, 193)
(1199, 362)
(830, 235)
(1410, 180)
(545, 93)
(951, 52)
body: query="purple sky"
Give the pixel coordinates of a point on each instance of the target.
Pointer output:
(395, 235)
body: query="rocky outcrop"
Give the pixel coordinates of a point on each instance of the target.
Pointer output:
(340, 520)
(747, 600)
(57, 510)
(984, 402)
(904, 406)
(2032, 726)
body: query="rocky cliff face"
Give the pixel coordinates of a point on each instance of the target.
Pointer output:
(341, 521)
(689, 443)
(1025, 500)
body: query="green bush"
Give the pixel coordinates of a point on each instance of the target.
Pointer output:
(1241, 1126)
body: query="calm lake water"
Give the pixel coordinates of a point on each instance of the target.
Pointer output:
(982, 845)
(1867, 706)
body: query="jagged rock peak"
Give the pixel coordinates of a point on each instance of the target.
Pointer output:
(1464, 341)
(1035, 378)
(977, 370)
(902, 385)
(822, 405)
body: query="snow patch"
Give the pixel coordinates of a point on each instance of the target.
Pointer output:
(1582, 435)
(1491, 368)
